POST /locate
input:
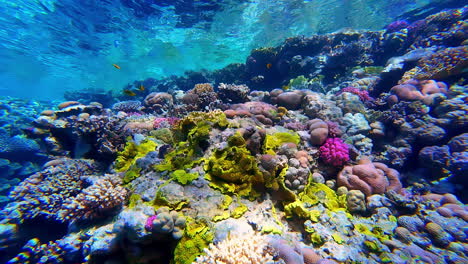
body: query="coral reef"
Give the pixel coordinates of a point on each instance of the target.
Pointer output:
(352, 149)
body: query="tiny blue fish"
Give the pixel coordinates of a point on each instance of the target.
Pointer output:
(116, 43)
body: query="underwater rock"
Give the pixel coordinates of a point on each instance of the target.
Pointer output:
(233, 94)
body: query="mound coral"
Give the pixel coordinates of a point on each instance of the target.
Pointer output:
(369, 177)
(412, 90)
(43, 193)
(166, 222)
(318, 131)
(200, 97)
(158, 102)
(234, 94)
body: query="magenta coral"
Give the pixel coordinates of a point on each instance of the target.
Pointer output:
(334, 152)
(363, 94)
(149, 222)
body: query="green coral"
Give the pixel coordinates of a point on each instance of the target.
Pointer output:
(192, 134)
(233, 170)
(183, 177)
(131, 152)
(372, 231)
(373, 246)
(134, 200)
(273, 142)
(239, 211)
(300, 82)
(317, 239)
(163, 134)
(297, 208)
(315, 193)
(197, 236)
(338, 239)
(161, 201)
(127, 158)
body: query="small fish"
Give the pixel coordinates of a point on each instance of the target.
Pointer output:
(141, 88)
(268, 65)
(116, 43)
(116, 66)
(129, 92)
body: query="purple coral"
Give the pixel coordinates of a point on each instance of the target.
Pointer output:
(396, 26)
(334, 152)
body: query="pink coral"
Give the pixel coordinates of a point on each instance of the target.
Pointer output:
(412, 90)
(164, 122)
(369, 177)
(334, 152)
(363, 94)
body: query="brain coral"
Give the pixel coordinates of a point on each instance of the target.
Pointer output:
(369, 177)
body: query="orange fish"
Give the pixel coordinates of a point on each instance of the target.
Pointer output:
(116, 66)
(142, 88)
(268, 65)
(129, 93)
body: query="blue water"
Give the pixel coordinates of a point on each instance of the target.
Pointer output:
(48, 47)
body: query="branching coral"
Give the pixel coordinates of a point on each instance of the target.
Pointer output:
(440, 65)
(247, 249)
(43, 193)
(95, 201)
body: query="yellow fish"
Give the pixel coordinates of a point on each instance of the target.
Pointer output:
(129, 93)
(142, 88)
(116, 66)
